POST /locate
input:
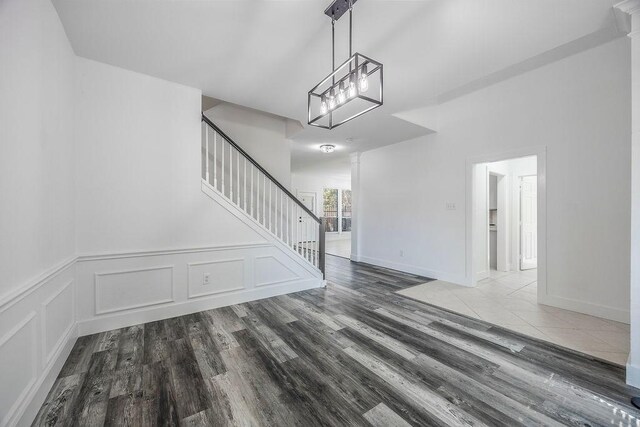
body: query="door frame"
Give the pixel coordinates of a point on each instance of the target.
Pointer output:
(541, 154)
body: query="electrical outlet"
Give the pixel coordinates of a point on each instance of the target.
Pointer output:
(206, 279)
(450, 206)
(401, 253)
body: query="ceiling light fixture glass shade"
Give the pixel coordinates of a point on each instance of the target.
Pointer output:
(352, 89)
(327, 148)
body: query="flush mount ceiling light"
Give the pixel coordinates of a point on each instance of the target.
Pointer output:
(327, 148)
(352, 89)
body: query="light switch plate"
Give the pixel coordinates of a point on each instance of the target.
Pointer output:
(450, 206)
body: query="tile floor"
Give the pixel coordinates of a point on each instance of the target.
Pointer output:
(340, 247)
(509, 299)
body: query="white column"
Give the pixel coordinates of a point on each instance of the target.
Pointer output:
(355, 206)
(632, 7)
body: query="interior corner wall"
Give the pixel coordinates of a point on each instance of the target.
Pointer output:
(580, 109)
(261, 135)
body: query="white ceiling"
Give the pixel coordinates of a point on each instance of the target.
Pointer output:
(267, 54)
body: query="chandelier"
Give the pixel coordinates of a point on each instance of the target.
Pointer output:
(352, 89)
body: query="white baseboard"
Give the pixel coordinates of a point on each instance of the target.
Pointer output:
(412, 269)
(633, 375)
(36, 398)
(130, 318)
(598, 310)
(481, 275)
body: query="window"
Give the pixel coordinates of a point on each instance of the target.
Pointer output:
(346, 210)
(330, 210)
(337, 210)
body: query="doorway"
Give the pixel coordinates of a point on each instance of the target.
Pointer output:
(337, 217)
(504, 224)
(506, 217)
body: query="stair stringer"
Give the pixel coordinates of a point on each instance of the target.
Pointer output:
(251, 222)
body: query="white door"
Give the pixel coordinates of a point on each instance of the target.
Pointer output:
(528, 222)
(304, 226)
(309, 200)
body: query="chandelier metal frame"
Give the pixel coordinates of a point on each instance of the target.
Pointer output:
(348, 82)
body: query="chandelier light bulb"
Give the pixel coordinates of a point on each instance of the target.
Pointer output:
(332, 100)
(364, 81)
(323, 106)
(342, 96)
(353, 91)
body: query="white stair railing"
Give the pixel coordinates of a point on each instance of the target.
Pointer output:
(235, 175)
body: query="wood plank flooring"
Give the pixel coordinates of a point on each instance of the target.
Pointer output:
(354, 353)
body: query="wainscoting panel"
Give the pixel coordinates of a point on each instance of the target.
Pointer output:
(225, 275)
(37, 331)
(19, 364)
(269, 270)
(56, 319)
(119, 290)
(129, 289)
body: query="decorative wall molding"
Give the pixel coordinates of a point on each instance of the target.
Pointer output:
(181, 308)
(258, 284)
(191, 278)
(45, 324)
(10, 409)
(175, 251)
(11, 297)
(97, 293)
(257, 227)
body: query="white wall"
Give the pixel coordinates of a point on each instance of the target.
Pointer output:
(138, 166)
(261, 135)
(579, 108)
(37, 202)
(36, 149)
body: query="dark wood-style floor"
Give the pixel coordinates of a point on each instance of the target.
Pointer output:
(354, 353)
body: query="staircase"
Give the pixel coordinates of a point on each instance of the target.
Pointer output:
(230, 172)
